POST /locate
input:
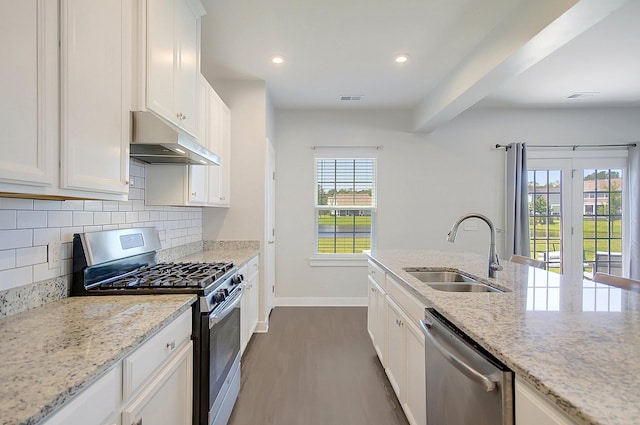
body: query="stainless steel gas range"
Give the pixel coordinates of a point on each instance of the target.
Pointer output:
(124, 262)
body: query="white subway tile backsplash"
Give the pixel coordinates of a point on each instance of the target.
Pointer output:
(44, 236)
(43, 272)
(31, 256)
(89, 229)
(21, 238)
(59, 218)
(72, 205)
(131, 216)
(7, 259)
(82, 218)
(93, 205)
(125, 206)
(16, 204)
(46, 205)
(31, 219)
(102, 218)
(109, 205)
(8, 219)
(13, 278)
(118, 217)
(66, 233)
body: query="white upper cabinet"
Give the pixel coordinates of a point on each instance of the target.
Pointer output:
(168, 60)
(219, 125)
(65, 98)
(29, 101)
(197, 185)
(95, 94)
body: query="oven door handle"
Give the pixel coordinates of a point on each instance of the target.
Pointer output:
(217, 316)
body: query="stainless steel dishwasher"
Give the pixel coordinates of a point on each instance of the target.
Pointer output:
(465, 384)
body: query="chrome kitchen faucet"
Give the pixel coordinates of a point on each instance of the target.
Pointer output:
(494, 264)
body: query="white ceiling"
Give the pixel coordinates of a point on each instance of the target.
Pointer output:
(457, 50)
(604, 60)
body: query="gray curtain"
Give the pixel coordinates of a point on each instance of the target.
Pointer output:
(634, 212)
(517, 229)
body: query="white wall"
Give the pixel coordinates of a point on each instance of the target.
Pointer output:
(244, 220)
(28, 225)
(425, 180)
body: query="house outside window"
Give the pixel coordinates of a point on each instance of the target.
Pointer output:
(345, 205)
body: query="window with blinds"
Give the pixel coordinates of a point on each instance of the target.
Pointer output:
(345, 205)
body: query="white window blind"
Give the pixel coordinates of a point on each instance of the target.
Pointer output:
(345, 204)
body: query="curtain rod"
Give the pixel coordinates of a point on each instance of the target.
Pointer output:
(573, 147)
(379, 147)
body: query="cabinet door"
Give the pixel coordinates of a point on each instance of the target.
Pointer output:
(167, 399)
(383, 332)
(372, 311)
(396, 353)
(160, 58)
(252, 317)
(214, 127)
(28, 105)
(95, 95)
(415, 402)
(225, 155)
(533, 409)
(187, 25)
(198, 183)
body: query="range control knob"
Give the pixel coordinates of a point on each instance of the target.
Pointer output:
(219, 296)
(237, 279)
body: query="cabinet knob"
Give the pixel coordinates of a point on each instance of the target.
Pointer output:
(222, 198)
(194, 193)
(171, 345)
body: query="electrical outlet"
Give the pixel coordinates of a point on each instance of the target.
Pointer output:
(53, 254)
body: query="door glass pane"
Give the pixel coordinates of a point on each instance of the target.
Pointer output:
(545, 217)
(602, 221)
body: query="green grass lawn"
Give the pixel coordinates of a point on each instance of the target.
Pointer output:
(343, 245)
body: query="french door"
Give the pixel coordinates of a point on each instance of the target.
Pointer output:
(577, 213)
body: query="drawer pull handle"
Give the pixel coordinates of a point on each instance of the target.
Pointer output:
(171, 345)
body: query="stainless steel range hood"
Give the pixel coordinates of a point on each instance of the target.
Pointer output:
(155, 141)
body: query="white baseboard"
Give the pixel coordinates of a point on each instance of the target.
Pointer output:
(321, 301)
(263, 327)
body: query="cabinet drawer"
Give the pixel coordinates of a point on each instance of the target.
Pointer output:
(377, 273)
(95, 404)
(145, 361)
(408, 302)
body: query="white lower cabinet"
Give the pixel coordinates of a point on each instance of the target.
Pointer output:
(167, 398)
(250, 298)
(533, 409)
(392, 323)
(397, 348)
(153, 385)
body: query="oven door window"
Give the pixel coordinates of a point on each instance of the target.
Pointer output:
(223, 349)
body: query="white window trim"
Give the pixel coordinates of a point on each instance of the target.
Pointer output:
(344, 260)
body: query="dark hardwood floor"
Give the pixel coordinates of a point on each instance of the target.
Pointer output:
(316, 366)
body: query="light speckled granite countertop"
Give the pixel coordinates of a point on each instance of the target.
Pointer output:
(49, 354)
(546, 330)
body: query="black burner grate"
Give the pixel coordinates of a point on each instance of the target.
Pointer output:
(172, 275)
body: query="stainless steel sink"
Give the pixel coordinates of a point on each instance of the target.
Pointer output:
(444, 280)
(439, 276)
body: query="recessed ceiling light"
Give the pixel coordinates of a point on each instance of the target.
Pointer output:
(277, 59)
(401, 58)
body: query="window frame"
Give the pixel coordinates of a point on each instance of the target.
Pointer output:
(570, 162)
(337, 259)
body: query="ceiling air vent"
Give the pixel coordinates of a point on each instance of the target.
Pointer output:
(581, 95)
(350, 98)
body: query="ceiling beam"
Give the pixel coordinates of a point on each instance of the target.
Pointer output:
(532, 32)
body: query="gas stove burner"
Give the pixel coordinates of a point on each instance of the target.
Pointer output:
(171, 275)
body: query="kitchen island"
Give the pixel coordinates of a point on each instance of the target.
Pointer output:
(580, 355)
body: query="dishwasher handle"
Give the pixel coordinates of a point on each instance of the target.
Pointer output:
(488, 384)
